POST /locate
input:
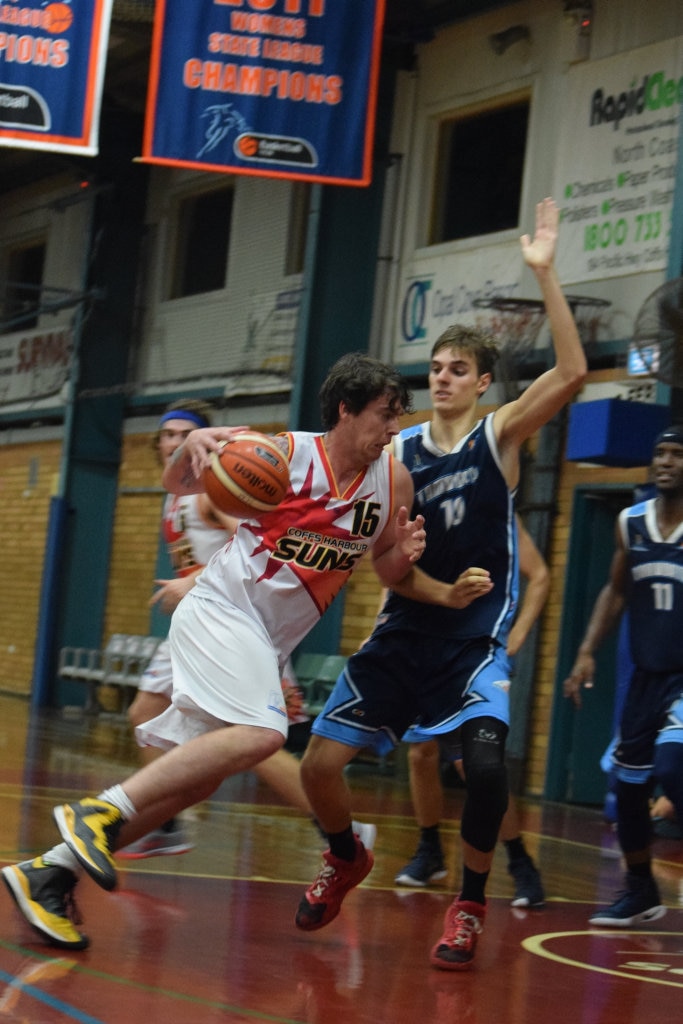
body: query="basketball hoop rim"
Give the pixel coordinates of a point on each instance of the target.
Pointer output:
(512, 304)
(505, 304)
(576, 302)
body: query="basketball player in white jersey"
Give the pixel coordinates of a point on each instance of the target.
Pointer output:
(233, 632)
(194, 529)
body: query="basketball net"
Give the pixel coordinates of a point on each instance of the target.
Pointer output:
(514, 324)
(589, 313)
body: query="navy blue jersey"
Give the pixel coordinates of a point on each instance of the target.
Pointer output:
(656, 589)
(469, 519)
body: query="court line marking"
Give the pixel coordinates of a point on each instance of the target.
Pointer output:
(534, 944)
(51, 1001)
(119, 981)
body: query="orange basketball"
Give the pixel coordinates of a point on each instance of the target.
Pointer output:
(249, 475)
(57, 18)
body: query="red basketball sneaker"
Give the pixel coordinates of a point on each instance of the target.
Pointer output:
(322, 900)
(463, 925)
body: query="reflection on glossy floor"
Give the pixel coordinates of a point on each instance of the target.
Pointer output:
(209, 936)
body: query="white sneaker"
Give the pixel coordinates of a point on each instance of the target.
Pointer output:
(157, 843)
(366, 833)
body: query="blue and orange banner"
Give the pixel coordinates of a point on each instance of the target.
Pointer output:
(52, 60)
(277, 88)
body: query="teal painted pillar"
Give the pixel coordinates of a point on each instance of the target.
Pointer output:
(94, 445)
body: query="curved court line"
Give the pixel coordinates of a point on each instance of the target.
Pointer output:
(534, 944)
(82, 1018)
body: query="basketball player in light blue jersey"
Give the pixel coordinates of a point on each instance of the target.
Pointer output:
(443, 664)
(646, 575)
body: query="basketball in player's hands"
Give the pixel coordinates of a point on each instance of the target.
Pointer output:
(249, 475)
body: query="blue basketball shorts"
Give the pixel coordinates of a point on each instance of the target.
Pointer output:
(653, 714)
(415, 687)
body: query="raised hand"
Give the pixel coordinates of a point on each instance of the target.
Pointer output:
(539, 252)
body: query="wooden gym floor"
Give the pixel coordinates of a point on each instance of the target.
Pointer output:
(209, 936)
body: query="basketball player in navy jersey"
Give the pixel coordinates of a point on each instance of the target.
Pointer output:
(427, 864)
(446, 667)
(646, 575)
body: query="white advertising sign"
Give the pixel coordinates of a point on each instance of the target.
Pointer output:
(33, 364)
(616, 164)
(440, 291)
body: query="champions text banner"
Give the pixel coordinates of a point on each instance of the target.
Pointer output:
(52, 58)
(277, 88)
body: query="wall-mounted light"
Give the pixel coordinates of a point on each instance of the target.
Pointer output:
(502, 41)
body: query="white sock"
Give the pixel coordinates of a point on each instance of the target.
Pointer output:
(62, 857)
(115, 795)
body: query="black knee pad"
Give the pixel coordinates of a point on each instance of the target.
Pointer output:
(634, 828)
(486, 781)
(485, 804)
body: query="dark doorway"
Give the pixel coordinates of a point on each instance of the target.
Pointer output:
(578, 738)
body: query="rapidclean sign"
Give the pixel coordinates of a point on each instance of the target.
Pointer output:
(617, 163)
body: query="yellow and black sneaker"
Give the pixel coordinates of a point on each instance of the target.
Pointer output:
(89, 828)
(44, 895)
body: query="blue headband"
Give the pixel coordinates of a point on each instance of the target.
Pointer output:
(672, 435)
(184, 414)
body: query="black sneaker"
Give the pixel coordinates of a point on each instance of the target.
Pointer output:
(528, 887)
(426, 866)
(666, 828)
(637, 904)
(89, 829)
(44, 895)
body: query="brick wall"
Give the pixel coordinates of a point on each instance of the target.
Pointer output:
(135, 539)
(27, 479)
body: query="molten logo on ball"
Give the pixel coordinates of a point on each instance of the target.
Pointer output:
(248, 476)
(256, 483)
